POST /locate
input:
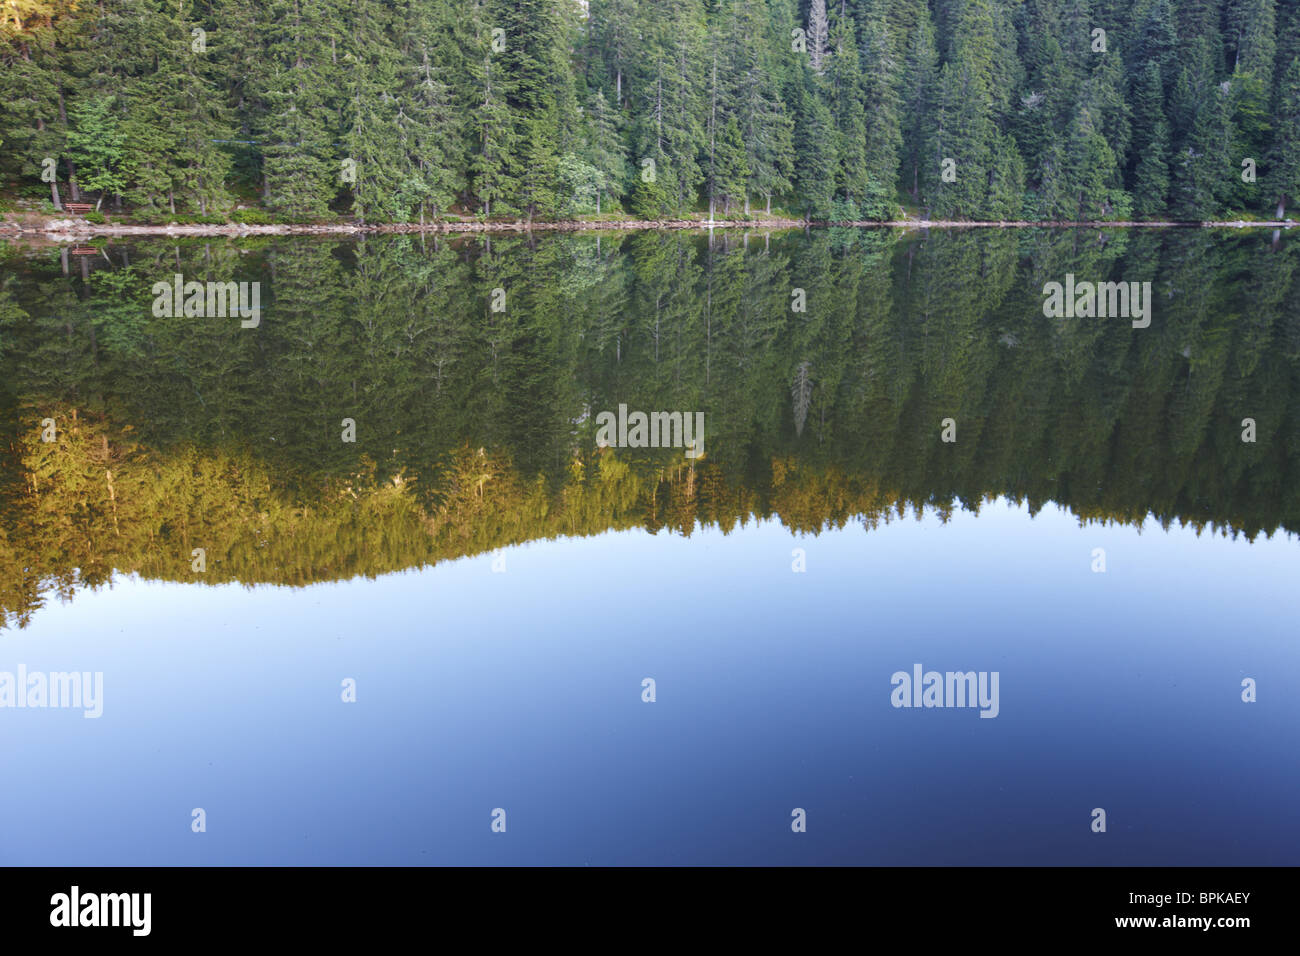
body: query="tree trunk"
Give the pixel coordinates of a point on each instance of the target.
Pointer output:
(54, 194)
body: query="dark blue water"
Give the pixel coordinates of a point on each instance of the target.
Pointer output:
(521, 690)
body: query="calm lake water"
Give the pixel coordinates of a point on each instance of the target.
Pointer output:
(396, 487)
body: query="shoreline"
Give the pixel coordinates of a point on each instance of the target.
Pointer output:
(62, 229)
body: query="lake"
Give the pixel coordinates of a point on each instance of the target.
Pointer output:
(651, 548)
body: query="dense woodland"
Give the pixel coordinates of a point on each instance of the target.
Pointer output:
(475, 428)
(405, 110)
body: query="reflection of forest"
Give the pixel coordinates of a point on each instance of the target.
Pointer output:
(471, 425)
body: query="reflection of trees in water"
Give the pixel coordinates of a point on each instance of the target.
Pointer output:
(470, 426)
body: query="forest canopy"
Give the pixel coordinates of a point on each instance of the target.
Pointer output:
(405, 110)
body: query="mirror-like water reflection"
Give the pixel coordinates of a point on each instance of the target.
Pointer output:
(770, 585)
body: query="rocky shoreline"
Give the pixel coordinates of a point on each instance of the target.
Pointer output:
(59, 230)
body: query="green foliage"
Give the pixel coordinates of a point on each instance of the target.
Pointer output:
(582, 185)
(403, 111)
(97, 145)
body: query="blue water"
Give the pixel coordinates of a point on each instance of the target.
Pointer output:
(522, 690)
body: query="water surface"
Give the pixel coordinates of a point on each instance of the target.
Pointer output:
(498, 586)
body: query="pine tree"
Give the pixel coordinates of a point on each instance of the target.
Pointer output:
(604, 151)
(816, 162)
(1151, 180)
(1091, 168)
(1283, 176)
(540, 96)
(297, 83)
(884, 135)
(668, 91)
(1148, 104)
(34, 68)
(1251, 37)
(492, 179)
(843, 90)
(1203, 167)
(962, 127)
(613, 34)
(431, 128)
(732, 168)
(370, 117)
(916, 90)
(766, 127)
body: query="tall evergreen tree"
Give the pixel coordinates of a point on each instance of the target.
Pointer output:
(1283, 177)
(297, 81)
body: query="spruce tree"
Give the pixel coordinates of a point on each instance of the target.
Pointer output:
(604, 149)
(917, 91)
(1283, 176)
(1151, 179)
(884, 134)
(297, 81)
(816, 162)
